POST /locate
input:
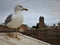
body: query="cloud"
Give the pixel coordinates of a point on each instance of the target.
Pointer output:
(50, 9)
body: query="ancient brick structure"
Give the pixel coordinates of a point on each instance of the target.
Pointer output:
(41, 22)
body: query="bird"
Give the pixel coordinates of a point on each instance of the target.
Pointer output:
(15, 20)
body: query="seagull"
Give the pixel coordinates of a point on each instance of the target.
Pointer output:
(15, 20)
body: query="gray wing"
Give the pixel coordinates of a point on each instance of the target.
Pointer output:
(8, 19)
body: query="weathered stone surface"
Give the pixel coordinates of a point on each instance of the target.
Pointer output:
(24, 40)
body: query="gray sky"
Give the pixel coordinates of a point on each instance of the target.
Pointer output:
(50, 9)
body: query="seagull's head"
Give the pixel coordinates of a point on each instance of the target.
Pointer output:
(21, 8)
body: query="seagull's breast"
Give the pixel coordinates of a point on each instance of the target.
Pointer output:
(17, 20)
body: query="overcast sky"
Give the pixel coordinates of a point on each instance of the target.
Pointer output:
(50, 9)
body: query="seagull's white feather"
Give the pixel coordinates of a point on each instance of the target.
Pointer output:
(16, 18)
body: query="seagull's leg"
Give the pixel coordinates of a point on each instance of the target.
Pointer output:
(18, 38)
(16, 33)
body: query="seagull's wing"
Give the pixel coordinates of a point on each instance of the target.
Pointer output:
(8, 19)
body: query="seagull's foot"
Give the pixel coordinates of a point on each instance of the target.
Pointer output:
(14, 36)
(17, 37)
(10, 35)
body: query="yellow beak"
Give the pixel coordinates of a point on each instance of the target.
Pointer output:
(25, 9)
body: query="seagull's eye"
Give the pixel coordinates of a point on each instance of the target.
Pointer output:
(20, 6)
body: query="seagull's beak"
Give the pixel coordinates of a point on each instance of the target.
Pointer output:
(25, 9)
